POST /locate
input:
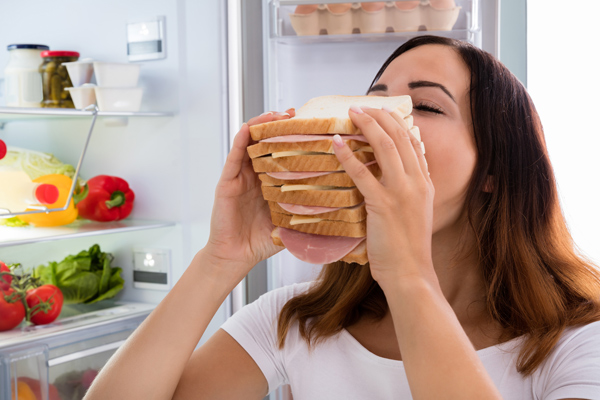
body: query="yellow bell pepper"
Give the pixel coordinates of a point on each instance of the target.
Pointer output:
(23, 392)
(55, 218)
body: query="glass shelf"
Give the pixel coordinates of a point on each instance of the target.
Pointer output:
(8, 114)
(11, 236)
(74, 317)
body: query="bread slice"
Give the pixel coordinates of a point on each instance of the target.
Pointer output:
(324, 227)
(328, 115)
(335, 197)
(349, 214)
(340, 179)
(358, 255)
(319, 146)
(306, 163)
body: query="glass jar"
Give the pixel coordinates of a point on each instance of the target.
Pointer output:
(55, 78)
(22, 75)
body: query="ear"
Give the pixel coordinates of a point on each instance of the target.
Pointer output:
(488, 187)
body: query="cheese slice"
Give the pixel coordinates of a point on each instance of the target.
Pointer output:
(304, 219)
(291, 188)
(278, 154)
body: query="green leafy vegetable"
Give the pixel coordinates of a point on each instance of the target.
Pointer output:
(87, 277)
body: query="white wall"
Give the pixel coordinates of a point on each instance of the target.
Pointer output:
(564, 83)
(172, 164)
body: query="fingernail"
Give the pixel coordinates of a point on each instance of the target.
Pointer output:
(337, 140)
(266, 113)
(282, 113)
(386, 108)
(364, 108)
(356, 110)
(423, 147)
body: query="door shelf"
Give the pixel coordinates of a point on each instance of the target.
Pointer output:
(12, 236)
(75, 317)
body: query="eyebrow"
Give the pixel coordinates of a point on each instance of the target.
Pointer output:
(414, 85)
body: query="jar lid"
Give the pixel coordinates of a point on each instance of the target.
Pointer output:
(59, 53)
(27, 46)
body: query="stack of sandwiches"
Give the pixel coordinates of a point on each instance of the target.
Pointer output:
(318, 213)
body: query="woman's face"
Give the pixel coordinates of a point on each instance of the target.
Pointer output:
(438, 82)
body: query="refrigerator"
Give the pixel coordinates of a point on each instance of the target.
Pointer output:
(221, 62)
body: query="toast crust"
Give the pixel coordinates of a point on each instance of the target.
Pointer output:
(326, 227)
(343, 197)
(353, 214)
(306, 163)
(303, 126)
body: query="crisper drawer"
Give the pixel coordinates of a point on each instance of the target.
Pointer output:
(61, 367)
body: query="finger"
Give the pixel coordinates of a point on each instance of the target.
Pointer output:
(397, 129)
(364, 180)
(236, 157)
(271, 116)
(383, 145)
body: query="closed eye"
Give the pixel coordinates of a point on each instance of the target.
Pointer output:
(428, 108)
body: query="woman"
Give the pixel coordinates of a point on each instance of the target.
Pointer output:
(473, 291)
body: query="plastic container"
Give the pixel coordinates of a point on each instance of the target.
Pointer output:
(22, 75)
(119, 99)
(80, 72)
(116, 75)
(55, 78)
(83, 96)
(19, 192)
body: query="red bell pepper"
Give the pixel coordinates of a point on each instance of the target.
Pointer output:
(108, 198)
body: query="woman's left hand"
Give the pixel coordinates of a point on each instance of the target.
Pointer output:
(400, 205)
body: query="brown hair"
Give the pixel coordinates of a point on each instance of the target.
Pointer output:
(536, 282)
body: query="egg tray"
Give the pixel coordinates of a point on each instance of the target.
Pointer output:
(389, 19)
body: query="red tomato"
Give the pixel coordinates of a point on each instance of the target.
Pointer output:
(51, 299)
(5, 280)
(12, 310)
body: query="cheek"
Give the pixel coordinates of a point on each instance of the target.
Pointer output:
(451, 161)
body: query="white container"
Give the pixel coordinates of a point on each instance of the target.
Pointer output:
(116, 75)
(119, 99)
(80, 71)
(440, 20)
(405, 20)
(372, 21)
(305, 24)
(23, 77)
(19, 192)
(339, 23)
(83, 96)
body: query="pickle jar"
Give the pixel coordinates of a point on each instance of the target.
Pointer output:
(55, 78)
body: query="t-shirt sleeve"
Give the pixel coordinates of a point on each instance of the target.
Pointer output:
(572, 370)
(254, 327)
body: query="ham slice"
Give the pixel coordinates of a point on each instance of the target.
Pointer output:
(317, 249)
(290, 175)
(310, 138)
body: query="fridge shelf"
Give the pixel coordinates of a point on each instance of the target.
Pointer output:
(461, 34)
(11, 236)
(10, 114)
(74, 317)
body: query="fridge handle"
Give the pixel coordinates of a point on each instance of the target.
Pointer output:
(84, 353)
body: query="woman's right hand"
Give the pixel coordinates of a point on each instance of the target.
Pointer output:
(240, 226)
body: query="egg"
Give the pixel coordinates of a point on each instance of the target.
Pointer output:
(339, 8)
(306, 8)
(407, 5)
(442, 4)
(375, 6)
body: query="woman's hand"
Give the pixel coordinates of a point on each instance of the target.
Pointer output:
(400, 205)
(240, 226)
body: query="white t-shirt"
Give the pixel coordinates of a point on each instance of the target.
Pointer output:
(341, 368)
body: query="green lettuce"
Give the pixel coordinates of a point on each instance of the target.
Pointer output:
(87, 277)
